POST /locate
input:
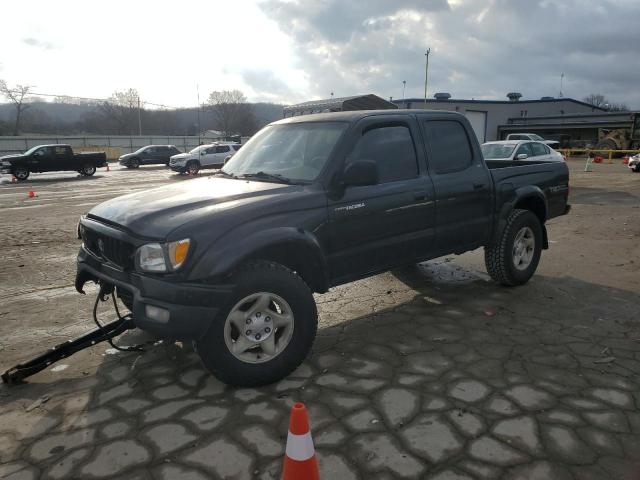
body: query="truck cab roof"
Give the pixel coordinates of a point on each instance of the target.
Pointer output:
(355, 115)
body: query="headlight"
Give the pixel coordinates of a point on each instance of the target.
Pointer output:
(156, 257)
(151, 258)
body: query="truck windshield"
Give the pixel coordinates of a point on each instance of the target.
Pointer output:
(492, 151)
(31, 150)
(295, 151)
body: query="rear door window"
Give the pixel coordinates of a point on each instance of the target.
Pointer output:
(449, 146)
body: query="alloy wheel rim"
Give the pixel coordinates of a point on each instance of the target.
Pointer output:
(259, 327)
(523, 248)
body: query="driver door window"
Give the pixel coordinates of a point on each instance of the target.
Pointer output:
(391, 147)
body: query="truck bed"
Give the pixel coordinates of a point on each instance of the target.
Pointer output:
(551, 177)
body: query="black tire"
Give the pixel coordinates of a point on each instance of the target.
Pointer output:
(499, 258)
(257, 277)
(21, 173)
(606, 144)
(134, 163)
(637, 168)
(192, 168)
(88, 170)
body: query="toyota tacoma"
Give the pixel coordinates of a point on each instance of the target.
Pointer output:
(230, 262)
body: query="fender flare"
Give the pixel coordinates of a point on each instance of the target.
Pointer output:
(529, 195)
(293, 247)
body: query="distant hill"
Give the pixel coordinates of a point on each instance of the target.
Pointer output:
(68, 119)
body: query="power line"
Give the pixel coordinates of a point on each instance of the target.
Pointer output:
(93, 99)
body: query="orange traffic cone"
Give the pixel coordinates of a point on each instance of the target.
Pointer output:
(300, 456)
(31, 193)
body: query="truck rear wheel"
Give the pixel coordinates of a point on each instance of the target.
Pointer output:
(265, 330)
(88, 170)
(514, 258)
(21, 173)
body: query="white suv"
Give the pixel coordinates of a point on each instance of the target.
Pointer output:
(205, 156)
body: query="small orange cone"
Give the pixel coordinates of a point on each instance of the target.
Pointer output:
(31, 193)
(300, 457)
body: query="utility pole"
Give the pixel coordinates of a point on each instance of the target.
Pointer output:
(139, 119)
(404, 84)
(561, 79)
(426, 74)
(199, 127)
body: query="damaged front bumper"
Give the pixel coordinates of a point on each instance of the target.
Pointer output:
(181, 311)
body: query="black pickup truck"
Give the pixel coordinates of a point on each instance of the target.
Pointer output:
(231, 261)
(51, 158)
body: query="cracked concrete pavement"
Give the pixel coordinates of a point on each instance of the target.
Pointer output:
(427, 372)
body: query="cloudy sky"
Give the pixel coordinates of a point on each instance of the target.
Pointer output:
(295, 50)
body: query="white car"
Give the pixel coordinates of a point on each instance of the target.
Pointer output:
(205, 156)
(634, 163)
(533, 137)
(520, 151)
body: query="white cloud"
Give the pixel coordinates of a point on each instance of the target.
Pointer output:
(296, 50)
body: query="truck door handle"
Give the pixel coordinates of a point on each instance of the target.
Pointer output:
(478, 185)
(420, 195)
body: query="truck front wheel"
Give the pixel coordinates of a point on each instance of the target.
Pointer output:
(513, 259)
(21, 173)
(264, 331)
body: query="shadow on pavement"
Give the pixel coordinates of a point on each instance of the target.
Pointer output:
(467, 378)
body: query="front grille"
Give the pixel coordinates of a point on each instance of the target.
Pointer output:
(112, 250)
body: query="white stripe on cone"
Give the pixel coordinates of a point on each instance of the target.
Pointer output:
(300, 447)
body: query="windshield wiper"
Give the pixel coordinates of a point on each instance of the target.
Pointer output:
(226, 174)
(267, 176)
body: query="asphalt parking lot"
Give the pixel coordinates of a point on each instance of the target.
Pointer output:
(428, 372)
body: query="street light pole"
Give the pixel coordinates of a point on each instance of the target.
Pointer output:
(426, 74)
(404, 84)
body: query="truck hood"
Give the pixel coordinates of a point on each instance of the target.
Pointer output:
(157, 212)
(8, 158)
(182, 156)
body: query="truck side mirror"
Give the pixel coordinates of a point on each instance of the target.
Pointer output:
(522, 156)
(360, 173)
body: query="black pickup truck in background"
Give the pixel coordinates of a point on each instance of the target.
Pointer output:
(231, 261)
(51, 158)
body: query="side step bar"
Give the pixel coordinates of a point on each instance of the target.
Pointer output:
(23, 370)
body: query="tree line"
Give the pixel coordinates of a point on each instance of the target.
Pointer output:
(124, 113)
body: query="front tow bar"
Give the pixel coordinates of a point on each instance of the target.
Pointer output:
(23, 370)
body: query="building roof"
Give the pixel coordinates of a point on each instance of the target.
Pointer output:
(507, 102)
(354, 102)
